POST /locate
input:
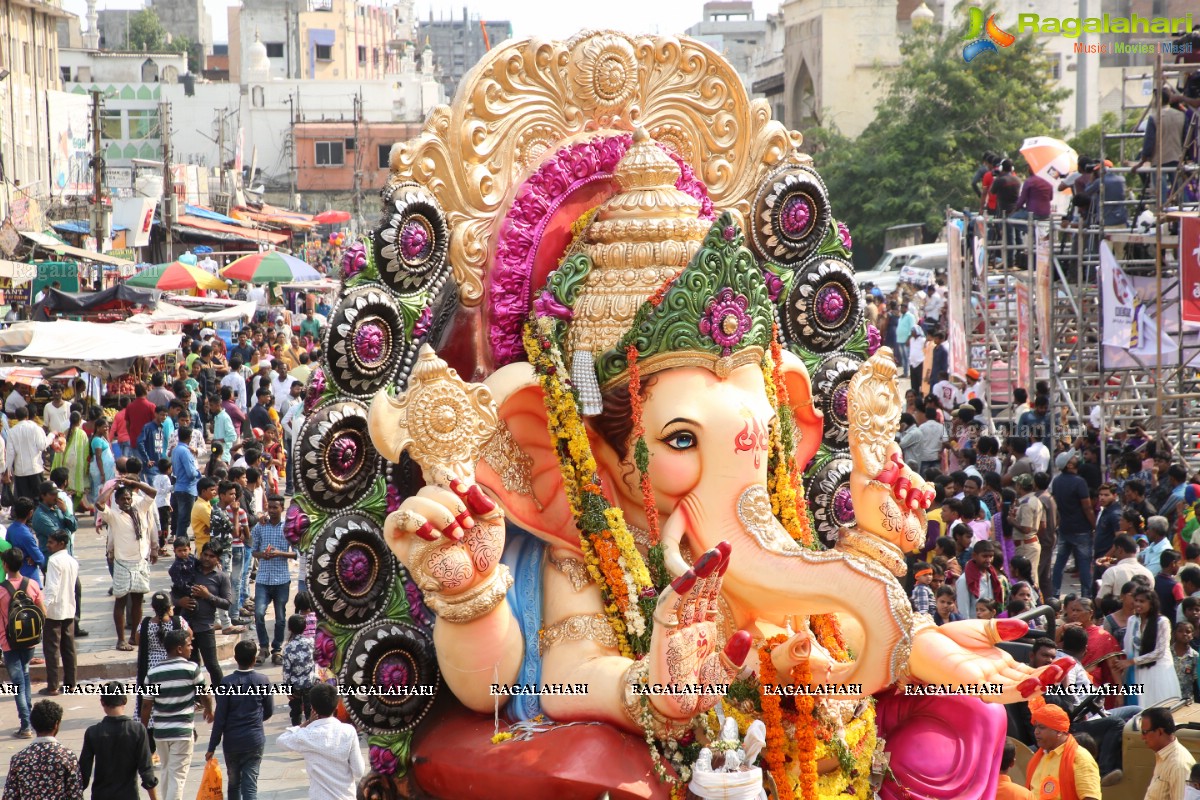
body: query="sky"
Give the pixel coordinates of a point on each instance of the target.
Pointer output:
(552, 18)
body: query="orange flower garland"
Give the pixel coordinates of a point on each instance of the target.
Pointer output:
(772, 715)
(829, 633)
(806, 738)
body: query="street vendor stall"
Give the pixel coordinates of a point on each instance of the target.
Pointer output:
(102, 349)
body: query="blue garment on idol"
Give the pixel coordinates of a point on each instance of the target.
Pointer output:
(524, 557)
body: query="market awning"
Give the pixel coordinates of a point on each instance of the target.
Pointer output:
(67, 340)
(198, 226)
(264, 217)
(50, 243)
(118, 296)
(166, 312)
(17, 272)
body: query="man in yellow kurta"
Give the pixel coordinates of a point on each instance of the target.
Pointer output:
(1060, 769)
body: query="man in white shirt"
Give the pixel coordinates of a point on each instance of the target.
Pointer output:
(935, 304)
(933, 436)
(131, 531)
(281, 384)
(16, 399)
(23, 461)
(331, 750)
(58, 637)
(949, 393)
(57, 413)
(1124, 569)
(236, 383)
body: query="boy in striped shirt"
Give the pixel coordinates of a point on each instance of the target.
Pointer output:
(173, 710)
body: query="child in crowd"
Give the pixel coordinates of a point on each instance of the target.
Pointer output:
(1185, 660)
(939, 578)
(986, 609)
(944, 605)
(163, 486)
(304, 607)
(922, 595)
(1192, 790)
(183, 570)
(299, 668)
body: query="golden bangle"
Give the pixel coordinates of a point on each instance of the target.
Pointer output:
(595, 627)
(473, 604)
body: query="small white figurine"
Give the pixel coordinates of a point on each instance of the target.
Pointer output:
(703, 761)
(756, 738)
(733, 761)
(729, 733)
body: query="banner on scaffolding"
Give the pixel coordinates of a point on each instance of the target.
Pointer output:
(1044, 294)
(1189, 268)
(956, 300)
(1136, 325)
(1023, 337)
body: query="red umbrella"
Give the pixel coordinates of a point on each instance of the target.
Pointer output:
(331, 217)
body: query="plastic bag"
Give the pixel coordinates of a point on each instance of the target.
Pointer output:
(210, 784)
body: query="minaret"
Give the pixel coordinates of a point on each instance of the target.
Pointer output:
(91, 39)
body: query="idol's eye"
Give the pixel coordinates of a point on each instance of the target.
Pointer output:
(680, 440)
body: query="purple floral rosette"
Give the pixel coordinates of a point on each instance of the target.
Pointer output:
(324, 649)
(354, 260)
(383, 760)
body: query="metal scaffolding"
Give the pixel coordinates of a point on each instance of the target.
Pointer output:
(1034, 310)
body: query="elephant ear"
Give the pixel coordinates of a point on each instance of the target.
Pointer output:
(809, 421)
(520, 465)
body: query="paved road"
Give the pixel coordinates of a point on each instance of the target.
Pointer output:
(283, 776)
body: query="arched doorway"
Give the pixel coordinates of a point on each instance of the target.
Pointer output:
(805, 113)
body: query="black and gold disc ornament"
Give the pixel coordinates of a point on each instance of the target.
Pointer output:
(336, 462)
(393, 672)
(350, 570)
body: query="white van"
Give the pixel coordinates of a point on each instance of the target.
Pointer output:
(886, 272)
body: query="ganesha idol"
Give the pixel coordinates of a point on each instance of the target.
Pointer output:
(672, 462)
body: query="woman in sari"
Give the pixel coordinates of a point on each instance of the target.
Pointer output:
(74, 456)
(102, 467)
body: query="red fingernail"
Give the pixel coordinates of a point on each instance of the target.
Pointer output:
(725, 549)
(1009, 629)
(930, 496)
(914, 501)
(684, 583)
(1028, 686)
(1052, 675)
(1065, 663)
(724, 565)
(454, 531)
(707, 563)
(465, 520)
(456, 485)
(738, 647)
(478, 502)
(426, 532)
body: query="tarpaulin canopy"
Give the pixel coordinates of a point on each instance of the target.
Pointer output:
(166, 312)
(106, 348)
(117, 296)
(198, 226)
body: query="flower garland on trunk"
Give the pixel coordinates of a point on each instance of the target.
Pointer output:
(775, 751)
(612, 558)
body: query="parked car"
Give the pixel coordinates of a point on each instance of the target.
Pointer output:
(886, 272)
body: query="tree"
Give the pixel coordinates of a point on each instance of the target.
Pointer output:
(939, 116)
(146, 32)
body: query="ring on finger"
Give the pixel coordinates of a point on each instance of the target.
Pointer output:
(409, 520)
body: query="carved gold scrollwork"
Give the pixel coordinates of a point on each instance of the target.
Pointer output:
(528, 97)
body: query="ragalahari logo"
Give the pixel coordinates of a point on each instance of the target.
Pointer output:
(984, 37)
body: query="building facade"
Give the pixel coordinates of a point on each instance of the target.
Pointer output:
(458, 44)
(178, 17)
(34, 112)
(729, 27)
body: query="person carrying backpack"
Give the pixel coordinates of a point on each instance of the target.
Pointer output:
(24, 616)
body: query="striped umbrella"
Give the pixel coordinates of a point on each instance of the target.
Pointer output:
(271, 266)
(176, 276)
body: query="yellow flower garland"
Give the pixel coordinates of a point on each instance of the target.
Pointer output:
(610, 553)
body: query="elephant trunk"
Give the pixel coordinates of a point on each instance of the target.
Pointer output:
(771, 577)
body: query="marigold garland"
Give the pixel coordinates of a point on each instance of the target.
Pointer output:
(609, 551)
(774, 753)
(806, 739)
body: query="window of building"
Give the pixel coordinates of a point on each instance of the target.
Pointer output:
(65, 73)
(349, 145)
(331, 154)
(375, 56)
(257, 97)
(324, 52)
(274, 49)
(143, 123)
(362, 55)
(385, 156)
(110, 124)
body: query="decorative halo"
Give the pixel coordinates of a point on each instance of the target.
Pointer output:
(828, 494)
(831, 387)
(395, 661)
(350, 570)
(337, 462)
(824, 306)
(791, 215)
(411, 245)
(365, 341)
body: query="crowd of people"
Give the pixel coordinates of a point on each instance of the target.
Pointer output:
(185, 478)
